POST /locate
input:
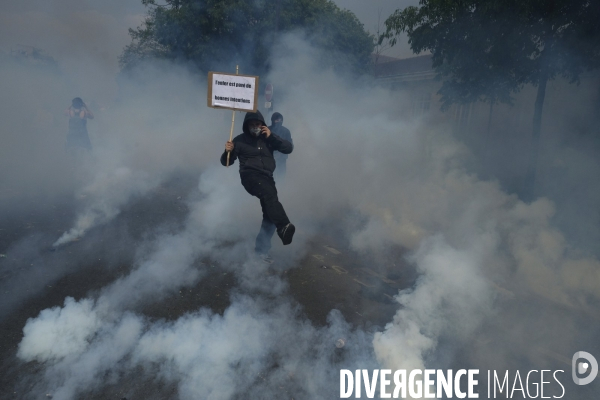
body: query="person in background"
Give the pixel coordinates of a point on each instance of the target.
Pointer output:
(254, 149)
(284, 133)
(78, 114)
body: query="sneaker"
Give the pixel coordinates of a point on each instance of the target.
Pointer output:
(267, 259)
(264, 257)
(286, 233)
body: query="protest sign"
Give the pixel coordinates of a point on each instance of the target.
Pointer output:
(233, 92)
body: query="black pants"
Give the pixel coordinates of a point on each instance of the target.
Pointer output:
(274, 216)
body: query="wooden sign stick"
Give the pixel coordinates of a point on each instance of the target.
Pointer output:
(232, 122)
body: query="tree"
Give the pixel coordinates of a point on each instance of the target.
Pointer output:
(380, 46)
(208, 33)
(488, 50)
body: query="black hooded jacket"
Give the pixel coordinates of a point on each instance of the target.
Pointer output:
(256, 153)
(283, 133)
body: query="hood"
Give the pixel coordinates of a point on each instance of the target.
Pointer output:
(275, 116)
(250, 116)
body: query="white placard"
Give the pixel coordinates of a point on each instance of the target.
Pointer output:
(235, 92)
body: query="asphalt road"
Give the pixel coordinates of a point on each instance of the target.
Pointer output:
(34, 278)
(328, 276)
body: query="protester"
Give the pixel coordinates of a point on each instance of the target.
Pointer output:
(254, 149)
(78, 114)
(284, 133)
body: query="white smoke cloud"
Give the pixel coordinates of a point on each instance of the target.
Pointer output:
(59, 332)
(352, 151)
(106, 195)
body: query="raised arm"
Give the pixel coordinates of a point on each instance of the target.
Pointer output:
(279, 144)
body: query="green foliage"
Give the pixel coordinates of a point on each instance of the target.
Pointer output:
(209, 33)
(486, 49)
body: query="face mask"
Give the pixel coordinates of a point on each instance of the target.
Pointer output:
(255, 131)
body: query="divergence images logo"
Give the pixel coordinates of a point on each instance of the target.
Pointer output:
(582, 367)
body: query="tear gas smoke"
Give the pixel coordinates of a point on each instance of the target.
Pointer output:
(469, 241)
(106, 195)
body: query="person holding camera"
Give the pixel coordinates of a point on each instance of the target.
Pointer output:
(78, 115)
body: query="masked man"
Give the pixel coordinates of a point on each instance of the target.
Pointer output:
(254, 149)
(284, 133)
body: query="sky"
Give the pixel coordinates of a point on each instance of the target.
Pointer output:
(373, 13)
(85, 37)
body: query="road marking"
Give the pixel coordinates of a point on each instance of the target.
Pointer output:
(377, 275)
(331, 249)
(364, 284)
(339, 269)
